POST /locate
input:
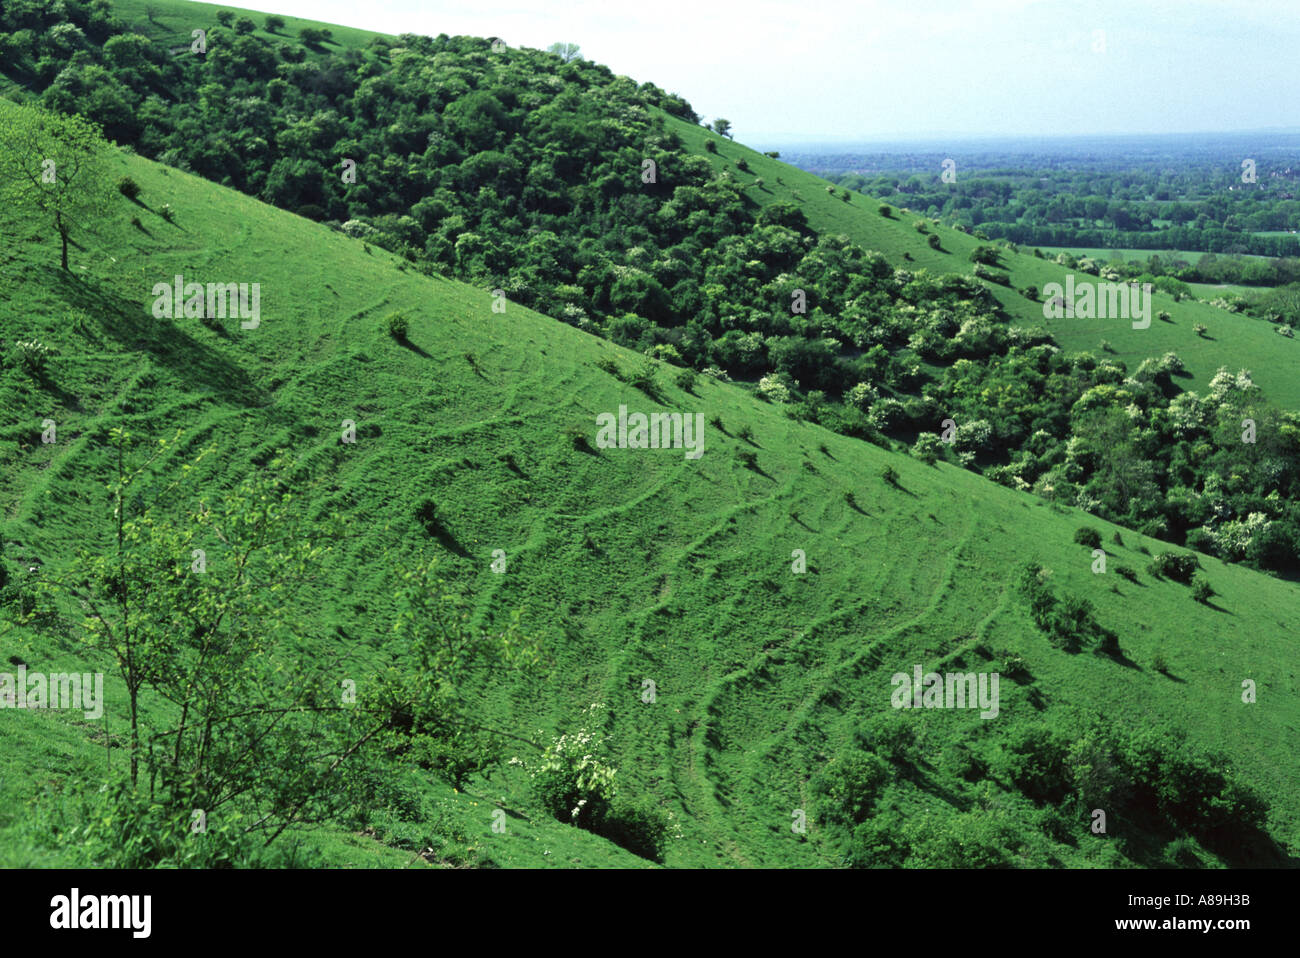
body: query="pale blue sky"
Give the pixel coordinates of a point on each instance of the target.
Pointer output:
(821, 70)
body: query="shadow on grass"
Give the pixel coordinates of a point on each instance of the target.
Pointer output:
(895, 484)
(407, 344)
(65, 399)
(1119, 657)
(581, 443)
(438, 531)
(130, 324)
(924, 779)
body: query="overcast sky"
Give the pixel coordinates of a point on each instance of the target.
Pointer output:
(786, 71)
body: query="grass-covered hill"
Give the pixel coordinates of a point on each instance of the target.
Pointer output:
(769, 589)
(602, 203)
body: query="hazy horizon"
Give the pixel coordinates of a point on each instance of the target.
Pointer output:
(1010, 142)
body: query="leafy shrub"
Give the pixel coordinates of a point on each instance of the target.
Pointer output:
(878, 843)
(892, 737)
(1171, 565)
(928, 448)
(397, 326)
(1034, 760)
(963, 840)
(122, 827)
(1201, 540)
(886, 414)
(644, 379)
(772, 388)
(1202, 591)
(1013, 665)
(1069, 620)
(889, 475)
(847, 787)
(886, 210)
(128, 187)
(643, 828)
(710, 146)
(574, 779)
(685, 380)
(932, 839)
(1127, 572)
(1088, 536)
(33, 355)
(933, 240)
(1195, 790)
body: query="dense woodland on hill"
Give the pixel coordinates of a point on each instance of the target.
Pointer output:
(527, 173)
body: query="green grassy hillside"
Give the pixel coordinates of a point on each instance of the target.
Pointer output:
(628, 565)
(173, 20)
